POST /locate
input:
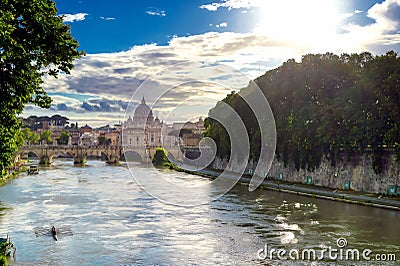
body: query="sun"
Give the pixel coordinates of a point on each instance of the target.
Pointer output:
(303, 22)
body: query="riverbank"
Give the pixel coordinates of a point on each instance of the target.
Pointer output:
(348, 196)
(12, 174)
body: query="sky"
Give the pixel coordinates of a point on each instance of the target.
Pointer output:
(183, 56)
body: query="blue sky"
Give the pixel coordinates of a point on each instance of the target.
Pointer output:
(128, 42)
(117, 25)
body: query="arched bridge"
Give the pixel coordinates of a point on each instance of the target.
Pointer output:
(46, 153)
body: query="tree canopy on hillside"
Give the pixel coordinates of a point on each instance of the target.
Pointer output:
(324, 106)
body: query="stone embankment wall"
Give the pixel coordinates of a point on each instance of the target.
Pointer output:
(359, 175)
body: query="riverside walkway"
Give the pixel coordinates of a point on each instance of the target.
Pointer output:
(317, 192)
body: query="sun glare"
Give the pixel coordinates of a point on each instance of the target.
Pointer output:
(309, 22)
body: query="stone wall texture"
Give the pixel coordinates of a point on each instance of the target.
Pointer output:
(360, 174)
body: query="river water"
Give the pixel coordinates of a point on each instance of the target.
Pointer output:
(105, 218)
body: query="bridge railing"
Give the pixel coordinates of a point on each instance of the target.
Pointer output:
(45, 146)
(69, 146)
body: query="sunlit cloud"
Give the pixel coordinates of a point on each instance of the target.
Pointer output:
(232, 4)
(74, 17)
(385, 31)
(104, 83)
(107, 18)
(222, 25)
(156, 12)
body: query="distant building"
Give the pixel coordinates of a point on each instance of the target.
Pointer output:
(74, 137)
(169, 139)
(85, 129)
(142, 129)
(114, 137)
(189, 133)
(45, 125)
(191, 139)
(118, 127)
(87, 139)
(55, 134)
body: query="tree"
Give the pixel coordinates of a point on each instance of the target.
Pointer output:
(64, 138)
(34, 43)
(103, 141)
(33, 138)
(19, 138)
(160, 157)
(30, 137)
(325, 106)
(45, 137)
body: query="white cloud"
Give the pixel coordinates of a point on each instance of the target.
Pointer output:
(74, 17)
(107, 18)
(233, 4)
(383, 32)
(222, 25)
(210, 7)
(347, 15)
(350, 14)
(116, 76)
(160, 13)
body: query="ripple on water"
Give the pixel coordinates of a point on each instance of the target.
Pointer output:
(114, 222)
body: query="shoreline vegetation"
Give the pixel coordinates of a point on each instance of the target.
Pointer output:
(6, 249)
(13, 172)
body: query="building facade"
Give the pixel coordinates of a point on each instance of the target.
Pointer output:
(143, 130)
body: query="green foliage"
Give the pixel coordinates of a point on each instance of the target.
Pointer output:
(101, 140)
(19, 138)
(45, 137)
(30, 137)
(3, 251)
(34, 42)
(160, 158)
(3, 261)
(63, 139)
(171, 166)
(325, 106)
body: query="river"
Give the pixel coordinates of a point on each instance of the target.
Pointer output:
(105, 218)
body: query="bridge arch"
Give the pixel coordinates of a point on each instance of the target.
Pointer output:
(26, 154)
(63, 154)
(131, 156)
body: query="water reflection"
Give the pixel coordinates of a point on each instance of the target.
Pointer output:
(115, 222)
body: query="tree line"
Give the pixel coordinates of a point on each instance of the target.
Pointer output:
(326, 106)
(27, 137)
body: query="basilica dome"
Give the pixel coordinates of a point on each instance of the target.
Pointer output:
(143, 110)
